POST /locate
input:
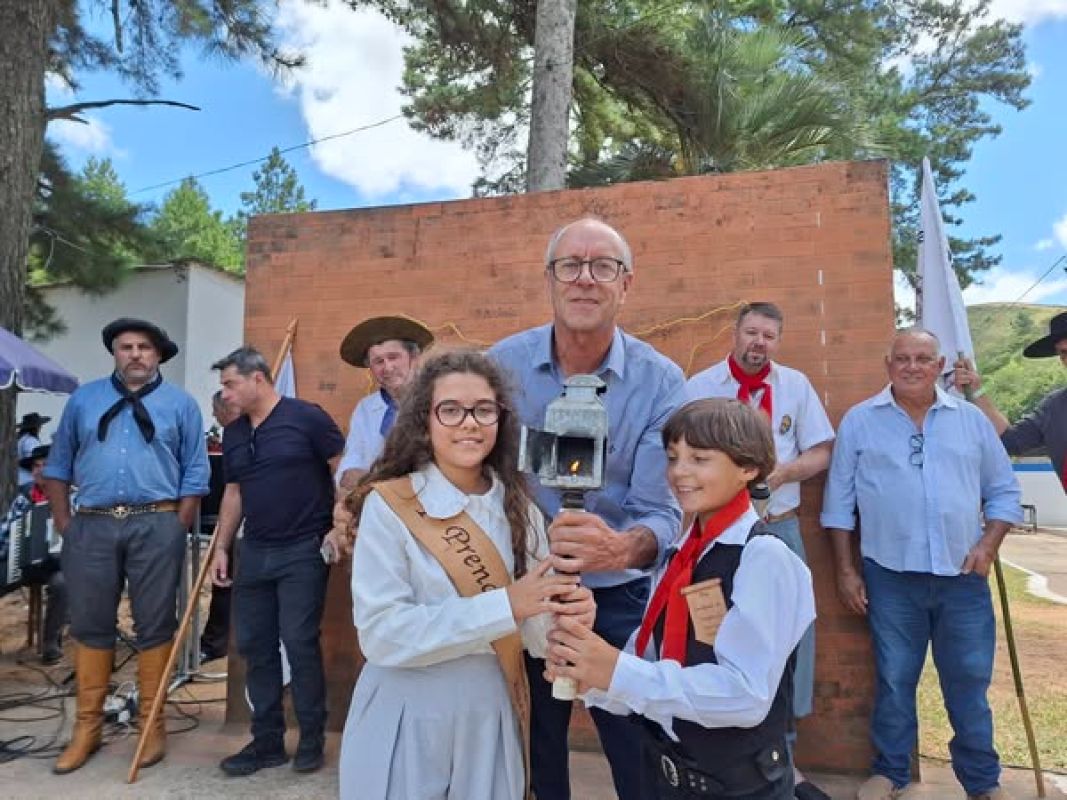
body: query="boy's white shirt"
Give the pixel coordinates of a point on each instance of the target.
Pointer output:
(773, 605)
(406, 611)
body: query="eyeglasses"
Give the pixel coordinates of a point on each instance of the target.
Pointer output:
(916, 458)
(602, 269)
(451, 414)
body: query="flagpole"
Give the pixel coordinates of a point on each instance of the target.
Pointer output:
(183, 629)
(1013, 654)
(287, 345)
(1017, 675)
(940, 309)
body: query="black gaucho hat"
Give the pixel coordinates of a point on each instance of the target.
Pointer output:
(167, 348)
(1046, 345)
(32, 421)
(382, 329)
(37, 452)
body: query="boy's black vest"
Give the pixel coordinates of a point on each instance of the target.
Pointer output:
(713, 750)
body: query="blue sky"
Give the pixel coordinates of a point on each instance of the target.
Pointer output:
(355, 63)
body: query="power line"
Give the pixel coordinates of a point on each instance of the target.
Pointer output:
(1033, 286)
(309, 143)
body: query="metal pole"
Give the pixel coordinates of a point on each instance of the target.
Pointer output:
(1017, 675)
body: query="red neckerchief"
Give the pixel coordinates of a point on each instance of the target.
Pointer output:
(679, 574)
(37, 494)
(751, 383)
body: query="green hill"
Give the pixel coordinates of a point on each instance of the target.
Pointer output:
(1000, 332)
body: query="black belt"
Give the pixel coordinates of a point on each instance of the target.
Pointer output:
(744, 776)
(123, 510)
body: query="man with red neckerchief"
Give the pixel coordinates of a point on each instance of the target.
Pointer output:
(803, 438)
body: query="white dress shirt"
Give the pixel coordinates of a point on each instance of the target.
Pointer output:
(365, 440)
(773, 605)
(798, 420)
(405, 608)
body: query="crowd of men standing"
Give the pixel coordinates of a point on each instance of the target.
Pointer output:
(924, 472)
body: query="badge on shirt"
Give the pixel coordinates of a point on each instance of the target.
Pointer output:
(787, 423)
(707, 607)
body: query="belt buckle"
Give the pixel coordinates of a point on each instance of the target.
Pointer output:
(670, 771)
(121, 511)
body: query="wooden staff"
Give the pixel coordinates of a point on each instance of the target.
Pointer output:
(1009, 635)
(194, 598)
(1017, 675)
(287, 345)
(183, 628)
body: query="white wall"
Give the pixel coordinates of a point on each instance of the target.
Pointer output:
(215, 327)
(199, 308)
(1043, 490)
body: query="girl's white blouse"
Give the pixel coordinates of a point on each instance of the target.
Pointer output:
(406, 611)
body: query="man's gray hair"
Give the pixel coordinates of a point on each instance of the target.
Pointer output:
(914, 330)
(626, 255)
(246, 360)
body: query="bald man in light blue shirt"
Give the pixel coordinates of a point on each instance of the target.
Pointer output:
(936, 495)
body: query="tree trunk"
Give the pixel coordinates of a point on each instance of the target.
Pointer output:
(546, 156)
(25, 29)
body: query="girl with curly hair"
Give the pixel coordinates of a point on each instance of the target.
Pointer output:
(432, 714)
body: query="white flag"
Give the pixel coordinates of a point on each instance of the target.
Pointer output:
(940, 301)
(285, 380)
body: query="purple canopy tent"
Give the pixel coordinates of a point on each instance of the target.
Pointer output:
(29, 370)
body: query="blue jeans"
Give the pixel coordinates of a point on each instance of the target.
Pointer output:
(788, 530)
(279, 593)
(907, 611)
(618, 614)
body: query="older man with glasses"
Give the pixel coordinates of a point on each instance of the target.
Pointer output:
(936, 495)
(629, 524)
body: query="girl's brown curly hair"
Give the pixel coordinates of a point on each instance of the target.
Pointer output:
(407, 447)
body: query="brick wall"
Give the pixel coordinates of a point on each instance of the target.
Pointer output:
(815, 240)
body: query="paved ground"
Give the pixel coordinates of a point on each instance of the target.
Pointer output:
(190, 771)
(1043, 553)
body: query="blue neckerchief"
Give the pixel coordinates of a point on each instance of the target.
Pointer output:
(389, 417)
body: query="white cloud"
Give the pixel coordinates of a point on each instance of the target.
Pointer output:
(92, 137)
(1059, 230)
(903, 294)
(1044, 244)
(355, 64)
(1029, 12)
(1003, 286)
(55, 84)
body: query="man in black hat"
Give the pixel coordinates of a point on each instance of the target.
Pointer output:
(29, 438)
(134, 446)
(46, 572)
(1046, 426)
(389, 347)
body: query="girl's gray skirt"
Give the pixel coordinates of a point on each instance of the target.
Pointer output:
(431, 733)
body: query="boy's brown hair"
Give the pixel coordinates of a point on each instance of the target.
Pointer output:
(729, 426)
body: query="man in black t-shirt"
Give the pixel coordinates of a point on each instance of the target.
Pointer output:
(278, 457)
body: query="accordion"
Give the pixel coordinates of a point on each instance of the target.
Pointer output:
(30, 541)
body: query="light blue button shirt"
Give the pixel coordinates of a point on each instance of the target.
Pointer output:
(644, 389)
(124, 468)
(918, 517)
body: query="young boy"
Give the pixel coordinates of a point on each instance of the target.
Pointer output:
(710, 669)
